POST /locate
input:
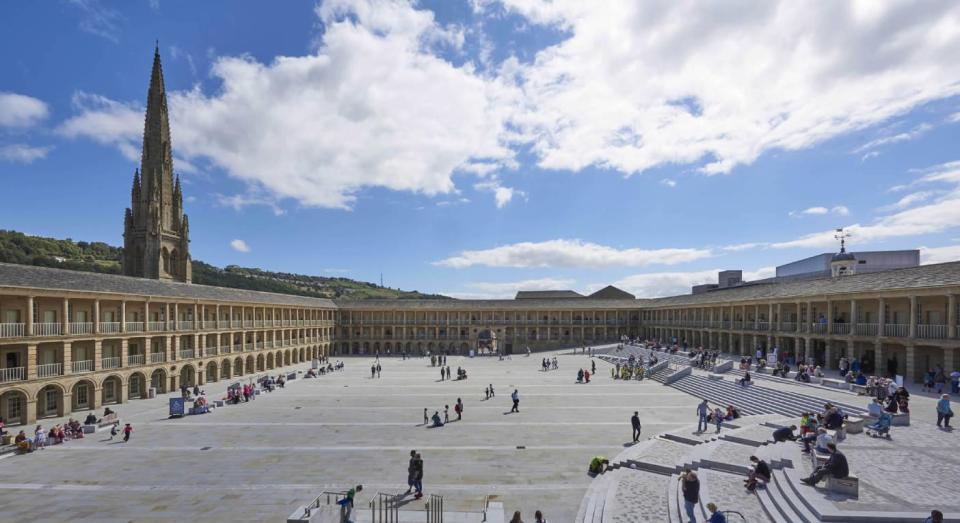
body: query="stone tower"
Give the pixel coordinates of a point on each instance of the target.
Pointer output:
(156, 233)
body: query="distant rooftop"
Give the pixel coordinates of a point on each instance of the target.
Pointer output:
(547, 295)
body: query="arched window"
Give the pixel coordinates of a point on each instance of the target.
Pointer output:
(174, 262)
(165, 260)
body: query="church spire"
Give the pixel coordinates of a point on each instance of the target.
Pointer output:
(156, 164)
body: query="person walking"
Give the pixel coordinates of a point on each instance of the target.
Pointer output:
(538, 517)
(114, 430)
(516, 401)
(411, 471)
(127, 430)
(944, 413)
(702, 411)
(593, 366)
(492, 394)
(418, 475)
(458, 408)
(718, 418)
(446, 414)
(39, 438)
(379, 368)
(690, 486)
(443, 375)
(448, 368)
(635, 421)
(426, 419)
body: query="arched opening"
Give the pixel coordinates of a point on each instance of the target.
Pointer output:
(13, 407)
(135, 386)
(238, 367)
(110, 390)
(158, 381)
(303, 355)
(286, 358)
(211, 371)
(82, 395)
(174, 262)
(50, 401)
(225, 370)
(165, 260)
(260, 363)
(250, 368)
(269, 361)
(188, 376)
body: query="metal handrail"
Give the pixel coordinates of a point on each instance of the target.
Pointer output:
(728, 512)
(315, 504)
(384, 508)
(434, 509)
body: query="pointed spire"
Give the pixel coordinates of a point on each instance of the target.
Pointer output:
(156, 164)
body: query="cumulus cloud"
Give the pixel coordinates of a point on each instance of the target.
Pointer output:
(22, 153)
(912, 134)
(501, 195)
(839, 210)
(373, 106)
(504, 290)
(657, 284)
(949, 253)
(637, 85)
(18, 110)
(239, 246)
(954, 118)
(668, 182)
(569, 253)
(107, 122)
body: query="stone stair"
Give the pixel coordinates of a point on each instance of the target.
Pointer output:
(755, 399)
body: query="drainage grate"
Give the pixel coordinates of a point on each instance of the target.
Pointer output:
(205, 448)
(521, 447)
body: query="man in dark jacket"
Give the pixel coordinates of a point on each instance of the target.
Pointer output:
(784, 434)
(690, 486)
(836, 466)
(635, 421)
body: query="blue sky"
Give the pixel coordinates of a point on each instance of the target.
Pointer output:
(475, 148)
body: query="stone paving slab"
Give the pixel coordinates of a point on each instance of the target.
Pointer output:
(258, 461)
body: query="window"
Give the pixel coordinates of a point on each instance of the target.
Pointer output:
(82, 395)
(11, 316)
(49, 316)
(51, 399)
(14, 408)
(109, 390)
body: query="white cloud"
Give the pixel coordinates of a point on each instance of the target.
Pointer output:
(504, 290)
(239, 246)
(569, 253)
(954, 118)
(912, 134)
(839, 210)
(940, 214)
(910, 200)
(949, 253)
(643, 84)
(668, 182)
(657, 284)
(22, 153)
(106, 122)
(99, 20)
(18, 110)
(374, 106)
(743, 246)
(501, 195)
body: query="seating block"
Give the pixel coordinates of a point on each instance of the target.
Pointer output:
(89, 429)
(715, 376)
(859, 389)
(853, 425)
(108, 420)
(837, 384)
(849, 486)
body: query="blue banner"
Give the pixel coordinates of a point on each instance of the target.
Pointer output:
(176, 407)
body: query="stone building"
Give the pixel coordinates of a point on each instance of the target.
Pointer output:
(156, 232)
(74, 341)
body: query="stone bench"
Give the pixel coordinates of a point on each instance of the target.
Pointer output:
(900, 419)
(859, 389)
(89, 429)
(836, 384)
(853, 425)
(715, 376)
(848, 486)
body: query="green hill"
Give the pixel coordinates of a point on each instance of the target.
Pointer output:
(16, 247)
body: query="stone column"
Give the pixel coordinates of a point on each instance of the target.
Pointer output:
(124, 352)
(30, 318)
(879, 361)
(853, 317)
(913, 318)
(952, 316)
(97, 355)
(829, 317)
(65, 320)
(96, 317)
(67, 357)
(798, 351)
(911, 371)
(828, 355)
(949, 360)
(123, 318)
(882, 317)
(31, 363)
(170, 347)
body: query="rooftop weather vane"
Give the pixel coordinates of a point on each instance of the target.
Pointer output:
(842, 236)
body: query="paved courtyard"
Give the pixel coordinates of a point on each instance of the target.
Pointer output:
(259, 461)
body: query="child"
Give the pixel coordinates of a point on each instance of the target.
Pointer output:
(126, 432)
(114, 430)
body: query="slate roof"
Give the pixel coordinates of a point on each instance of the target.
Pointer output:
(612, 293)
(547, 295)
(912, 278)
(565, 304)
(28, 276)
